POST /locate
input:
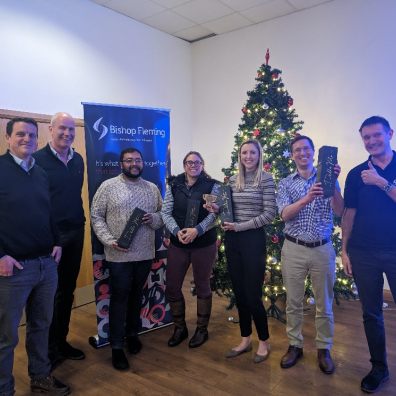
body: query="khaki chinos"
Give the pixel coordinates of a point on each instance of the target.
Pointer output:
(297, 262)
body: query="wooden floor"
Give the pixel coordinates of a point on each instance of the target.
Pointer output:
(160, 370)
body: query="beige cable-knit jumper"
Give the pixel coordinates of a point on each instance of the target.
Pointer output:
(111, 208)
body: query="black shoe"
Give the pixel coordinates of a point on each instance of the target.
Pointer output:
(290, 358)
(325, 361)
(119, 360)
(56, 361)
(49, 385)
(374, 380)
(68, 352)
(179, 335)
(200, 336)
(134, 345)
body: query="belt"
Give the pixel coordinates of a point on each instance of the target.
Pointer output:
(307, 244)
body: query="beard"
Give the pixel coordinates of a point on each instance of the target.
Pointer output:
(128, 172)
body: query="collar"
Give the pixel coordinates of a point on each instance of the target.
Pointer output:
(392, 160)
(69, 155)
(128, 180)
(26, 165)
(181, 179)
(295, 174)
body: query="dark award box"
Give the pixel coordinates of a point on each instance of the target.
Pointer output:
(193, 206)
(225, 203)
(325, 170)
(131, 227)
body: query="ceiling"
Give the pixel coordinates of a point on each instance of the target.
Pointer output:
(194, 20)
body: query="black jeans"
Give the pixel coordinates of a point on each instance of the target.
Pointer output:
(72, 242)
(126, 288)
(368, 268)
(246, 259)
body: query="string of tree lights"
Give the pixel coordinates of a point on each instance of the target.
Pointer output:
(268, 116)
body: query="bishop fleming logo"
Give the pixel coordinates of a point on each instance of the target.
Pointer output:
(100, 128)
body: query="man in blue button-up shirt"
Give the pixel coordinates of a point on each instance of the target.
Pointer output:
(308, 218)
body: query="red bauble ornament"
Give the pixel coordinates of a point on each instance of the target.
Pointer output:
(218, 243)
(267, 166)
(256, 132)
(275, 239)
(290, 102)
(244, 110)
(275, 76)
(226, 178)
(259, 74)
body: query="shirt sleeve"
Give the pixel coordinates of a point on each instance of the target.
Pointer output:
(209, 221)
(166, 212)
(98, 217)
(283, 197)
(351, 191)
(157, 219)
(269, 208)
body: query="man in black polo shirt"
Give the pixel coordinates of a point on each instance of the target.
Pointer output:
(65, 169)
(369, 238)
(29, 253)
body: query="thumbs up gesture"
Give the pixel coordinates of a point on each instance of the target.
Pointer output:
(370, 176)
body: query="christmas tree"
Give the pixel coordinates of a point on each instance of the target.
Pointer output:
(268, 116)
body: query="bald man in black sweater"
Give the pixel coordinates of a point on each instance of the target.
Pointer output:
(65, 169)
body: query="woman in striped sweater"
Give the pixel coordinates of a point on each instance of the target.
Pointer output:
(253, 197)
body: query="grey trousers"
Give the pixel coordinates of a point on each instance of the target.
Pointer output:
(297, 262)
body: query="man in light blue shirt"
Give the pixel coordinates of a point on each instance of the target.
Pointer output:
(307, 249)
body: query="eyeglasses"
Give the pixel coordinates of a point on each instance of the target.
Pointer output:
(193, 163)
(301, 149)
(137, 161)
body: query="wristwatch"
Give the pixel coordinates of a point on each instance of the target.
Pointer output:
(388, 187)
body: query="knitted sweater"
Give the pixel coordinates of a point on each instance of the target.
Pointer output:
(254, 207)
(66, 182)
(27, 229)
(111, 208)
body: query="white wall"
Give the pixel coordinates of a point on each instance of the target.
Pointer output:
(338, 62)
(56, 54)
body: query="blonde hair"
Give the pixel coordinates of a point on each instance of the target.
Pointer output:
(240, 179)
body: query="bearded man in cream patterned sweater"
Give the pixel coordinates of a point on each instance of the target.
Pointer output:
(111, 209)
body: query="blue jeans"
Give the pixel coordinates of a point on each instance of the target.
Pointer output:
(126, 287)
(368, 268)
(32, 287)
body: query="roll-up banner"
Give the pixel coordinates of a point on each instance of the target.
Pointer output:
(108, 130)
